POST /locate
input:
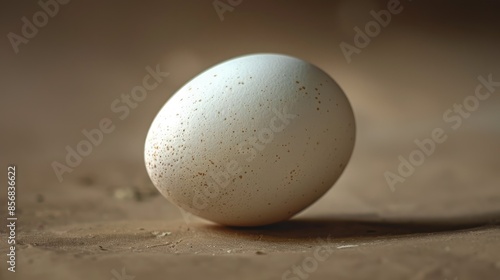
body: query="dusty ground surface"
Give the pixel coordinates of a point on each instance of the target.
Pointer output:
(106, 221)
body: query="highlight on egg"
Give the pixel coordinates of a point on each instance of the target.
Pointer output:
(251, 141)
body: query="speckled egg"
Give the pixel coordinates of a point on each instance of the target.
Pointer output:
(251, 141)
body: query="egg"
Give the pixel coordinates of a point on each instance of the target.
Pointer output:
(251, 141)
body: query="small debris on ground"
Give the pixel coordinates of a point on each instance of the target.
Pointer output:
(161, 234)
(346, 246)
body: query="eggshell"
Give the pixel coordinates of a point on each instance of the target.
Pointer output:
(251, 141)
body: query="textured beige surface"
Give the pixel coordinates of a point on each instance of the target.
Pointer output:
(105, 216)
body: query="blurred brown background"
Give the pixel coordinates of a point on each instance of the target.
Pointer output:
(91, 52)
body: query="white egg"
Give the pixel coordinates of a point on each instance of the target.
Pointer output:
(251, 141)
